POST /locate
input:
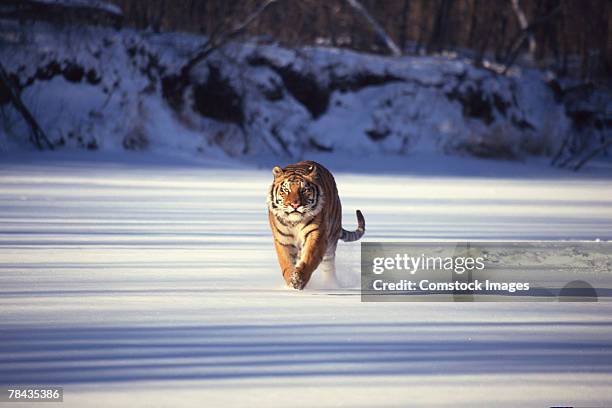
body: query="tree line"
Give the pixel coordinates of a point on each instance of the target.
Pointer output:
(571, 37)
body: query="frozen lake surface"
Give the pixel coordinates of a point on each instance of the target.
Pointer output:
(157, 285)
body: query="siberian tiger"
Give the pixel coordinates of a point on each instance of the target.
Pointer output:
(306, 219)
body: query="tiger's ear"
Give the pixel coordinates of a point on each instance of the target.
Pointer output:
(277, 171)
(312, 170)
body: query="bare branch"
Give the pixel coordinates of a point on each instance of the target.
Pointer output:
(592, 154)
(37, 135)
(522, 20)
(222, 38)
(526, 32)
(355, 4)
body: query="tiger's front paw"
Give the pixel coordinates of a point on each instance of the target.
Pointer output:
(296, 281)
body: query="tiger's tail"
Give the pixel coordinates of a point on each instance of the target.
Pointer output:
(350, 236)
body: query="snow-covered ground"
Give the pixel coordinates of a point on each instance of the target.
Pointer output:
(141, 281)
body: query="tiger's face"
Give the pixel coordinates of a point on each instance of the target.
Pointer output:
(293, 196)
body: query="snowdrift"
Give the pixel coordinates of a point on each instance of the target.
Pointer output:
(101, 88)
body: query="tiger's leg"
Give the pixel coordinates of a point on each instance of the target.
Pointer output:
(311, 256)
(328, 268)
(287, 254)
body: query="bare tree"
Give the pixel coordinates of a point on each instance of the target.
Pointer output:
(404, 15)
(441, 28)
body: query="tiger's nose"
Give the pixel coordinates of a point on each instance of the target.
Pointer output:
(295, 204)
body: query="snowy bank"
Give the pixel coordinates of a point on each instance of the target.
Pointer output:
(101, 88)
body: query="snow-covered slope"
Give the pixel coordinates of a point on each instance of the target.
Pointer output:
(107, 89)
(148, 283)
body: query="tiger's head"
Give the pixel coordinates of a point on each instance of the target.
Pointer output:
(294, 194)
